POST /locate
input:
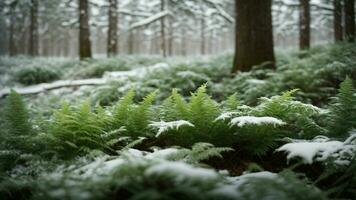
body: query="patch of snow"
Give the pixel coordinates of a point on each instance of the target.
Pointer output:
(162, 154)
(181, 171)
(318, 149)
(165, 126)
(256, 81)
(191, 74)
(226, 115)
(251, 120)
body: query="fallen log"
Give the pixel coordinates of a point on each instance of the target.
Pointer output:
(43, 87)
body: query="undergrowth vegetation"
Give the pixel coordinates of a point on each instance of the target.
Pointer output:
(215, 136)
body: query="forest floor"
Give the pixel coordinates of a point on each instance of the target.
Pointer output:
(141, 127)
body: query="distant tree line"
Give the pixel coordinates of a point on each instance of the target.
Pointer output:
(168, 25)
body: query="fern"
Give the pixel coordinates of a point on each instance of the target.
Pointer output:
(232, 102)
(16, 116)
(204, 151)
(122, 109)
(342, 116)
(77, 130)
(16, 138)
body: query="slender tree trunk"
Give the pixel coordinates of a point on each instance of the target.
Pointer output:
(254, 37)
(349, 20)
(113, 29)
(202, 35)
(12, 46)
(171, 38)
(131, 42)
(33, 39)
(184, 42)
(84, 30)
(163, 31)
(338, 34)
(304, 24)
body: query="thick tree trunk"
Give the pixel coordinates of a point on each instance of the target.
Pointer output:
(304, 24)
(254, 37)
(338, 34)
(349, 20)
(163, 31)
(113, 29)
(33, 39)
(84, 30)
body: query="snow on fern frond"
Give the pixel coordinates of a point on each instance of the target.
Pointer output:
(165, 126)
(181, 171)
(251, 120)
(191, 74)
(320, 149)
(226, 115)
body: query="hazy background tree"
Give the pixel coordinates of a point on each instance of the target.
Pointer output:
(304, 24)
(349, 6)
(338, 32)
(84, 30)
(112, 41)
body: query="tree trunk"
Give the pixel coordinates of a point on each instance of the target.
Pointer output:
(202, 35)
(350, 20)
(254, 36)
(163, 31)
(33, 42)
(304, 24)
(12, 46)
(84, 30)
(183, 42)
(131, 42)
(338, 34)
(171, 38)
(113, 28)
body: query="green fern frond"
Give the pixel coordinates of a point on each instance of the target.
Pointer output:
(342, 116)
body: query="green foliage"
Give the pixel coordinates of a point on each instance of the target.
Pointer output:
(134, 117)
(97, 68)
(16, 115)
(343, 111)
(286, 186)
(77, 130)
(16, 138)
(36, 74)
(301, 118)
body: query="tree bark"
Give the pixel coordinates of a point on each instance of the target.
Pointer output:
(131, 42)
(163, 31)
(84, 30)
(33, 39)
(113, 29)
(338, 33)
(202, 36)
(170, 38)
(349, 7)
(183, 42)
(12, 46)
(254, 36)
(304, 24)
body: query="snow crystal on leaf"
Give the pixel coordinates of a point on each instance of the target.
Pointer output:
(165, 126)
(251, 120)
